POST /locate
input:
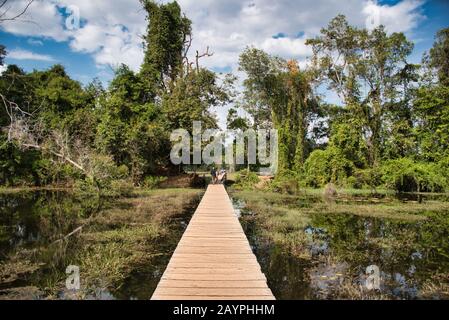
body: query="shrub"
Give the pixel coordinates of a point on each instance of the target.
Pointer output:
(365, 178)
(406, 175)
(118, 188)
(246, 179)
(324, 166)
(285, 182)
(153, 182)
(105, 178)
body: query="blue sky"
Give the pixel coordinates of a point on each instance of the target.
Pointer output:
(110, 31)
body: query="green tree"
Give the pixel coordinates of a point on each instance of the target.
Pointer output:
(368, 70)
(279, 86)
(129, 130)
(236, 122)
(2, 54)
(432, 111)
(431, 105)
(439, 56)
(166, 41)
(192, 97)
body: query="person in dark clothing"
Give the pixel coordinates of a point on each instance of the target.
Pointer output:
(213, 174)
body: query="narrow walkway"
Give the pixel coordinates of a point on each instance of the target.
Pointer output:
(213, 260)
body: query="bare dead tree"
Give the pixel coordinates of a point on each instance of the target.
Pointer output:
(199, 56)
(29, 133)
(5, 9)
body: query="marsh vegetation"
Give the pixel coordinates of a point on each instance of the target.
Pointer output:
(314, 247)
(122, 246)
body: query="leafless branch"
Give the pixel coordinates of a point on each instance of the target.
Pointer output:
(29, 134)
(199, 56)
(21, 13)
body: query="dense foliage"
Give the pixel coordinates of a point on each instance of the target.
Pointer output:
(391, 128)
(58, 131)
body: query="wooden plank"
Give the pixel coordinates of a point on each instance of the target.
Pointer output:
(164, 283)
(215, 265)
(213, 260)
(248, 298)
(219, 292)
(232, 270)
(213, 277)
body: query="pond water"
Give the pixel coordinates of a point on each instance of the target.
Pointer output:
(412, 257)
(31, 223)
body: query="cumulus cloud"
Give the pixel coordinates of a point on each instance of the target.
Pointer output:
(3, 69)
(229, 26)
(402, 17)
(42, 19)
(287, 47)
(20, 54)
(111, 31)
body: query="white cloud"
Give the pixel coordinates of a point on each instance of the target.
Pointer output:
(42, 19)
(287, 47)
(402, 17)
(3, 69)
(113, 32)
(228, 26)
(20, 54)
(112, 29)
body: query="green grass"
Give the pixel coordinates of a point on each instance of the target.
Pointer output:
(119, 240)
(307, 203)
(113, 243)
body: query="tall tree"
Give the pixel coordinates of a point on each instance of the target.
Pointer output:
(368, 70)
(279, 86)
(131, 131)
(167, 42)
(439, 56)
(432, 102)
(2, 54)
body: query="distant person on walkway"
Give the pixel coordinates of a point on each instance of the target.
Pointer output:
(222, 176)
(213, 174)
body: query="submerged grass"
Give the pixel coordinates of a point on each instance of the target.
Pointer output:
(131, 235)
(113, 243)
(305, 204)
(326, 243)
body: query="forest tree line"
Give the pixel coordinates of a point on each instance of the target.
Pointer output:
(391, 128)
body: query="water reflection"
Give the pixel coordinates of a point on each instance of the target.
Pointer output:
(342, 246)
(31, 223)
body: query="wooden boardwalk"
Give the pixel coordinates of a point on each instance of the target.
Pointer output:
(213, 260)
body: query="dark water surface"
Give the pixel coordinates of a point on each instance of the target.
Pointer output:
(409, 255)
(31, 223)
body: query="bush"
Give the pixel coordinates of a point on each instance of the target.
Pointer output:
(324, 166)
(118, 188)
(285, 182)
(246, 179)
(365, 178)
(406, 175)
(105, 178)
(153, 182)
